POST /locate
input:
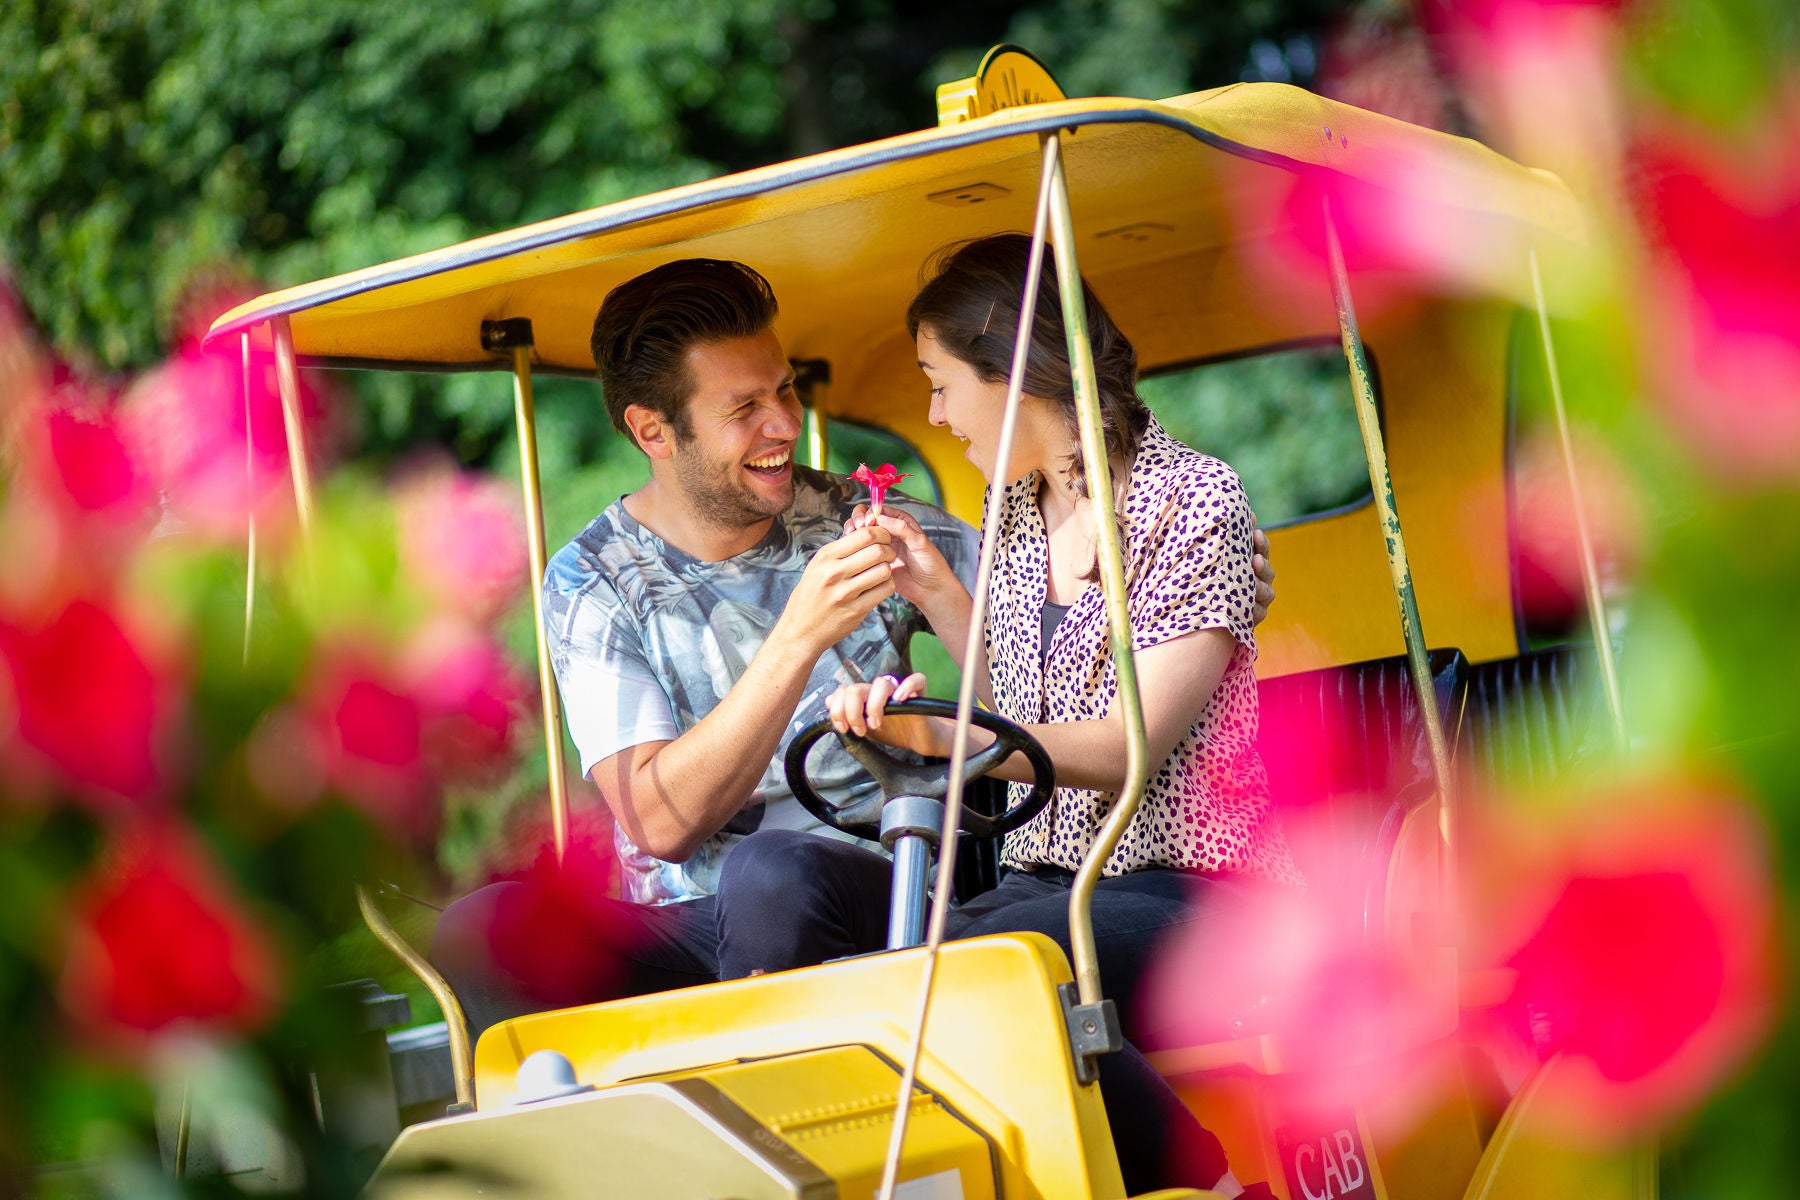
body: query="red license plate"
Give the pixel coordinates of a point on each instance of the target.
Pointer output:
(1324, 1158)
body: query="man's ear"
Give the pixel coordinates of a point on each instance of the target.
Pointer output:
(652, 434)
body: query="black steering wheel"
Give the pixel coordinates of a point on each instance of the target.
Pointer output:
(930, 778)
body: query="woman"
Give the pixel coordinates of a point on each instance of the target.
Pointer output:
(1205, 836)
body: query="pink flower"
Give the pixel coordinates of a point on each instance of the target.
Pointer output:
(1641, 951)
(471, 695)
(878, 481)
(157, 939)
(463, 539)
(388, 731)
(215, 462)
(1723, 233)
(367, 732)
(87, 702)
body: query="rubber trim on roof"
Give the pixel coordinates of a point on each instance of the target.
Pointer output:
(738, 191)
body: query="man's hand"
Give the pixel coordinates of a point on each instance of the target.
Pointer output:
(921, 573)
(1265, 575)
(843, 582)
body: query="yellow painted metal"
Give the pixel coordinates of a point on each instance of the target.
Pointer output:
(841, 234)
(814, 434)
(643, 1141)
(804, 1125)
(462, 1059)
(996, 1049)
(1590, 571)
(836, 1105)
(1109, 557)
(1531, 1154)
(526, 418)
(1008, 77)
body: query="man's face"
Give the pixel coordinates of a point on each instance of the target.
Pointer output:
(736, 463)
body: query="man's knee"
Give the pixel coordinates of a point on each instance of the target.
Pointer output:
(773, 865)
(465, 932)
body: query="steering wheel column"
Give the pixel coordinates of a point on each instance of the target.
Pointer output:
(912, 814)
(911, 828)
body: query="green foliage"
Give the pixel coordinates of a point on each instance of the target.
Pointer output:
(1286, 422)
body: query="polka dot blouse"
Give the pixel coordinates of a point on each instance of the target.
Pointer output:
(1187, 568)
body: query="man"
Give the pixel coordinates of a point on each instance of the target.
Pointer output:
(696, 625)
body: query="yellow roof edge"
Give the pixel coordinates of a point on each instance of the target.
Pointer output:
(1221, 117)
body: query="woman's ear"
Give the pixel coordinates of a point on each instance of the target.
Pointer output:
(651, 433)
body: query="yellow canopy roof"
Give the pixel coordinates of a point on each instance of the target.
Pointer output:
(841, 235)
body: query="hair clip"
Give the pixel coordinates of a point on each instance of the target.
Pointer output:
(990, 317)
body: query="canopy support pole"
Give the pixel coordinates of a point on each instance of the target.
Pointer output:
(1368, 417)
(249, 505)
(1590, 569)
(1109, 556)
(972, 654)
(514, 338)
(812, 378)
(287, 377)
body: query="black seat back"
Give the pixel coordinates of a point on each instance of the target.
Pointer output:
(1531, 717)
(1348, 759)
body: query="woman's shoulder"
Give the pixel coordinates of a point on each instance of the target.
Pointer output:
(1170, 470)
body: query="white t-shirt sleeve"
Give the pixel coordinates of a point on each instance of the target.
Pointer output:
(612, 700)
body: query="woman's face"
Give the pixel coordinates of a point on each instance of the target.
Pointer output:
(971, 408)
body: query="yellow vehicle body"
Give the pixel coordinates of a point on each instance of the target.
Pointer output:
(1170, 203)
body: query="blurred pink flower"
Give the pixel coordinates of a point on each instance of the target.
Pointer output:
(462, 537)
(80, 501)
(1540, 79)
(189, 417)
(93, 464)
(1346, 1006)
(388, 731)
(1641, 950)
(471, 695)
(1551, 588)
(367, 734)
(88, 701)
(1723, 234)
(158, 940)
(547, 935)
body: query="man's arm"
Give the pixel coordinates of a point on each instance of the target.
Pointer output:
(670, 796)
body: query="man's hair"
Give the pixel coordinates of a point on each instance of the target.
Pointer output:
(647, 325)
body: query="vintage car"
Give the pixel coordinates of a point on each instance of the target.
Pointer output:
(1239, 223)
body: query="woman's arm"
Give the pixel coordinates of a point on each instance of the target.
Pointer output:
(923, 576)
(1175, 678)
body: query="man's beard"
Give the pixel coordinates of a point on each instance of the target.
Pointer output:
(716, 496)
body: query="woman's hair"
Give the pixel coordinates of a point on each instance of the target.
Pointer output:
(970, 305)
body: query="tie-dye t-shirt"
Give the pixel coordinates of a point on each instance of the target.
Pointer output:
(647, 639)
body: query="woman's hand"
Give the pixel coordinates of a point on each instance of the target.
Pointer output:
(921, 573)
(861, 709)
